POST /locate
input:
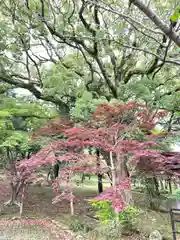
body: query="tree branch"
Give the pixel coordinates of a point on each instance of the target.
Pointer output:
(106, 77)
(153, 66)
(124, 16)
(33, 89)
(33, 61)
(157, 21)
(88, 26)
(95, 56)
(53, 31)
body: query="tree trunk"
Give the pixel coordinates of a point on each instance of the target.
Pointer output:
(82, 178)
(13, 194)
(100, 183)
(56, 170)
(22, 201)
(149, 192)
(152, 194)
(162, 185)
(166, 185)
(15, 189)
(156, 186)
(170, 186)
(72, 207)
(110, 177)
(120, 174)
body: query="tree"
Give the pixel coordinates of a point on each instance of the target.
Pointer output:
(122, 131)
(101, 47)
(18, 119)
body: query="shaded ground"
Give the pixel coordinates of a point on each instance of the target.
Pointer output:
(25, 233)
(26, 229)
(39, 205)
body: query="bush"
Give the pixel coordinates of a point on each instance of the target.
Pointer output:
(77, 226)
(103, 211)
(128, 217)
(106, 214)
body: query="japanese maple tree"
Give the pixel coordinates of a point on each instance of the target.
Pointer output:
(121, 131)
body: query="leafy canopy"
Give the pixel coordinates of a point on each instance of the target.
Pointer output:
(120, 129)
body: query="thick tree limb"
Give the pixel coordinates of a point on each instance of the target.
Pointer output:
(33, 89)
(95, 45)
(157, 21)
(145, 50)
(74, 39)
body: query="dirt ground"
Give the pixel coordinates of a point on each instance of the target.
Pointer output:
(39, 206)
(24, 230)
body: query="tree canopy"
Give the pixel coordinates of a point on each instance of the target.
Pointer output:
(90, 87)
(58, 50)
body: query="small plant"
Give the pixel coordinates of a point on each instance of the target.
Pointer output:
(106, 214)
(77, 226)
(128, 217)
(103, 210)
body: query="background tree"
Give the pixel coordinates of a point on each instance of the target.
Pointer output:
(18, 119)
(102, 47)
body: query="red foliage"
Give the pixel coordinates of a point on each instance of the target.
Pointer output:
(46, 224)
(167, 164)
(45, 156)
(115, 195)
(56, 126)
(113, 128)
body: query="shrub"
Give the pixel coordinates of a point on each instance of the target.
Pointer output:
(77, 226)
(106, 214)
(128, 218)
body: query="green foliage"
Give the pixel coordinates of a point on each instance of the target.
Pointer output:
(172, 139)
(103, 210)
(76, 225)
(4, 114)
(17, 138)
(128, 217)
(63, 74)
(106, 214)
(18, 118)
(74, 67)
(176, 14)
(22, 114)
(85, 106)
(20, 107)
(29, 147)
(21, 143)
(178, 194)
